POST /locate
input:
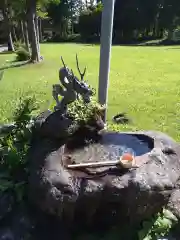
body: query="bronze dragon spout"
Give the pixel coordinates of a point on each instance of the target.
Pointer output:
(70, 87)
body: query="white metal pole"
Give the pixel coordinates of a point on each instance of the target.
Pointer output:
(105, 52)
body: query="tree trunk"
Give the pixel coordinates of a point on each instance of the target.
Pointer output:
(14, 34)
(22, 31)
(37, 32)
(26, 35)
(40, 30)
(10, 42)
(31, 9)
(170, 33)
(147, 32)
(154, 31)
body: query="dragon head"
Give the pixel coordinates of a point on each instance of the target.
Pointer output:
(79, 86)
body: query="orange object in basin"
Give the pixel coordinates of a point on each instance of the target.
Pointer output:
(127, 157)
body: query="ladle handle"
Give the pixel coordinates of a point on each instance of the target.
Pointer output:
(93, 164)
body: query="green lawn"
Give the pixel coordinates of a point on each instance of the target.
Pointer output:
(144, 82)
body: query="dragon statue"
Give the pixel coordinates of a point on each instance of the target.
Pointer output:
(70, 87)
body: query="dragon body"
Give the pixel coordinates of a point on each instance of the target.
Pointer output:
(70, 88)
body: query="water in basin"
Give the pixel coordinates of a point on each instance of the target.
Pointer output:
(112, 146)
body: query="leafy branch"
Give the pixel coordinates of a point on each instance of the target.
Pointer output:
(159, 226)
(14, 146)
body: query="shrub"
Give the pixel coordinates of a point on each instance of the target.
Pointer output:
(19, 44)
(84, 114)
(68, 38)
(13, 149)
(159, 226)
(22, 54)
(21, 51)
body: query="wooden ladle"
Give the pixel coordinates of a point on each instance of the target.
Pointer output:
(125, 161)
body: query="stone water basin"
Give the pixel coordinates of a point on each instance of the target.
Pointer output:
(79, 198)
(111, 147)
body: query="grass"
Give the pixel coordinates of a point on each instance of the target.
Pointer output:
(144, 82)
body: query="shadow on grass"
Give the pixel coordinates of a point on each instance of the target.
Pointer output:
(173, 48)
(65, 42)
(1, 75)
(143, 43)
(13, 64)
(6, 52)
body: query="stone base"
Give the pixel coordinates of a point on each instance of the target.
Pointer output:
(125, 197)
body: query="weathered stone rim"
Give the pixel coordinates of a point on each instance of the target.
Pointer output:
(139, 160)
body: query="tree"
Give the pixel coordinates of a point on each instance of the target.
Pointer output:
(59, 15)
(147, 17)
(90, 22)
(133, 19)
(20, 11)
(35, 8)
(31, 13)
(7, 14)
